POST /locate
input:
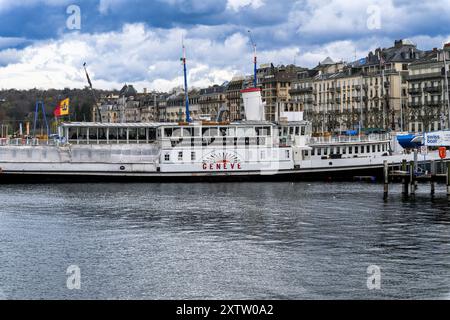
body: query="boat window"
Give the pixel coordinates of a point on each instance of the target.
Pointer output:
(82, 134)
(263, 131)
(168, 132)
(362, 149)
(356, 149)
(247, 141)
(350, 150)
(193, 156)
(379, 148)
(344, 150)
(368, 149)
(288, 154)
(93, 133)
(240, 131)
(313, 152)
(132, 134)
(167, 157)
(319, 151)
(303, 132)
(188, 132)
(373, 148)
(210, 132)
(180, 156)
(113, 134)
(307, 153)
(325, 151)
(261, 141)
(338, 150)
(142, 134)
(297, 131)
(195, 131)
(291, 130)
(176, 132)
(152, 134)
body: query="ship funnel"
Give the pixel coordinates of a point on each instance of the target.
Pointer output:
(253, 105)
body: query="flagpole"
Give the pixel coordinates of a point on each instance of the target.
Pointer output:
(186, 93)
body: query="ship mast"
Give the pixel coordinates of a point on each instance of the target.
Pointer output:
(255, 60)
(186, 93)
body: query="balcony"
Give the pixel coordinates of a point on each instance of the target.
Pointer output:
(433, 89)
(310, 100)
(301, 90)
(414, 91)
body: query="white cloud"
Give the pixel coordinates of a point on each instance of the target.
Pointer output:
(331, 18)
(236, 5)
(146, 58)
(149, 58)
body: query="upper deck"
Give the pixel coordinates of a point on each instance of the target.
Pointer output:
(186, 134)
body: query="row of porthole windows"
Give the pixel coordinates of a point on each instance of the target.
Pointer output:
(349, 150)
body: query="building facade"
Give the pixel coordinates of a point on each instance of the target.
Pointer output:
(211, 100)
(428, 93)
(275, 84)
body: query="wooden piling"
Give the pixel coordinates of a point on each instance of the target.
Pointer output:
(412, 186)
(404, 181)
(386, 180)
(448, 179)
(433, 178)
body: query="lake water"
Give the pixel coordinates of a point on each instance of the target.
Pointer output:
(222, 241)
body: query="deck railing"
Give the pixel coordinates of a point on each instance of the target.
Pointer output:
(344, 139)
(26, 142)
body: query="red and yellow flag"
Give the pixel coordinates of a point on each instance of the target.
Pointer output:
(63, 108)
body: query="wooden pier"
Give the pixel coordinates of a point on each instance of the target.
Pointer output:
(409, 176)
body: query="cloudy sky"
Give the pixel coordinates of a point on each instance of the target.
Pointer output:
(139, 41)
